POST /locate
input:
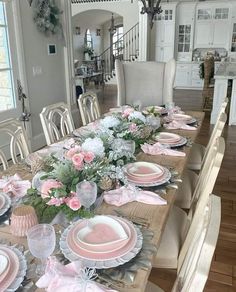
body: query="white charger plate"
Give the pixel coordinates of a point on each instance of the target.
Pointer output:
(7, 203)
(104, 264)
(21, 272)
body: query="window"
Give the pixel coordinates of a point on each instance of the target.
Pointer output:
(221, 13)
(7, 95)
(88, 39)
(184, 38)
(118, 41)
(203, 14)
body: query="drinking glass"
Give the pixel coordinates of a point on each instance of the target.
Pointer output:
(41, 240)
(86, 191)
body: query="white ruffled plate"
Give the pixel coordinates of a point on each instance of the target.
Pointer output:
(21, 272)
(101, 264)
(7, 203)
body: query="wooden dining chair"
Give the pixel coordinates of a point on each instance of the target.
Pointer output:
(181, 227)
(56, 121)
(198, 152)
(89, 107)
(16, 147)
(195, 268)
(191, 180)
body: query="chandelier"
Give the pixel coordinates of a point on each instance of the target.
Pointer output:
(112, 28)
(151, 7)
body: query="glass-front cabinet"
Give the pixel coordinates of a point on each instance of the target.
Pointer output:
(184, 38)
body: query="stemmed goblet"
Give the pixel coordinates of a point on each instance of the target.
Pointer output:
(41, 240)
(86, 191)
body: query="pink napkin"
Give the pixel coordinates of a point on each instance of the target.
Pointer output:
(124, 195)
(178, 125)
(15, 185)
(159, 149)
(72, 277)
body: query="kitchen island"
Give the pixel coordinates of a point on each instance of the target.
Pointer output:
(226, 72)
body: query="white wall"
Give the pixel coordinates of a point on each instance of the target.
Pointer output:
(49, 87)
(129, 11)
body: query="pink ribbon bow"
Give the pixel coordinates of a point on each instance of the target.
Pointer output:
(124, 195)
(69, 278)
(178, 125)
(14, 185)
(159, 149)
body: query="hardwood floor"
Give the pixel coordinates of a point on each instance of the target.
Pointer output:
(222, 277)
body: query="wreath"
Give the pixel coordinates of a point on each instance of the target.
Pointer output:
(46, 16)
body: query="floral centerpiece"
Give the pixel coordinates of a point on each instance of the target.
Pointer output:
(54, 187)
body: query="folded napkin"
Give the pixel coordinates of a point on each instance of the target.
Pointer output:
(159, 149)
(178, 125)
(14, 185)
(124, 195)
(69, 278)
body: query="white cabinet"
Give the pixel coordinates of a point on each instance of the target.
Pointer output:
(165, 33)
(212, 25)
(187, 76)
(183, 75)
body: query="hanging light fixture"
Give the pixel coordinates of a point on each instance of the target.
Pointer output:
(112, 28)
(151, 7)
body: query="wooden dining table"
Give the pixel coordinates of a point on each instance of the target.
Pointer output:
(155, 215)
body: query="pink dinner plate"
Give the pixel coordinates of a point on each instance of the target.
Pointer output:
(2, 201)
(168, 138)
(13, 268)
(82, 253)
(113, 246)
(182, 117)
(142, 169)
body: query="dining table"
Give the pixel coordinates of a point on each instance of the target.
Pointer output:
(155, 216)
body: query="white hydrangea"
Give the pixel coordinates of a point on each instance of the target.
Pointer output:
(109, 122)
(94, 145)
(137, 115)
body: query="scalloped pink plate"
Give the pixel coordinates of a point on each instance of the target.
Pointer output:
(75, 247)
(168, 138)
(13, 268)
(181, 117)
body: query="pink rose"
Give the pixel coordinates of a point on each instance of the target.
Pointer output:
(127, 112)
(74, 203)
(70, 153)
(55, 201)
(133, 128)
(48, 185)
(88, 156)
(78, 161)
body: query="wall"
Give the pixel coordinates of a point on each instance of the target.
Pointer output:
(78, 40)
(129, 11)
(48, 87)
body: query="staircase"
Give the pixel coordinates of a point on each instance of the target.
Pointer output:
(126, 50)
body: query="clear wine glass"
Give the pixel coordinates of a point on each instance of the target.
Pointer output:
(41, 240)
(86, 191)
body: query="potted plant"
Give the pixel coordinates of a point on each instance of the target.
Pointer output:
(88, 53)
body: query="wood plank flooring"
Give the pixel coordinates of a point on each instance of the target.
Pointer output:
(222, 277)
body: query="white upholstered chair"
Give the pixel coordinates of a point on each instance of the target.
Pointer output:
(191, 180)
(57, 122)
(13, 133)
(150, 83)
(194, 271)
(198, 151)
(89, 107)
(180, 227)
